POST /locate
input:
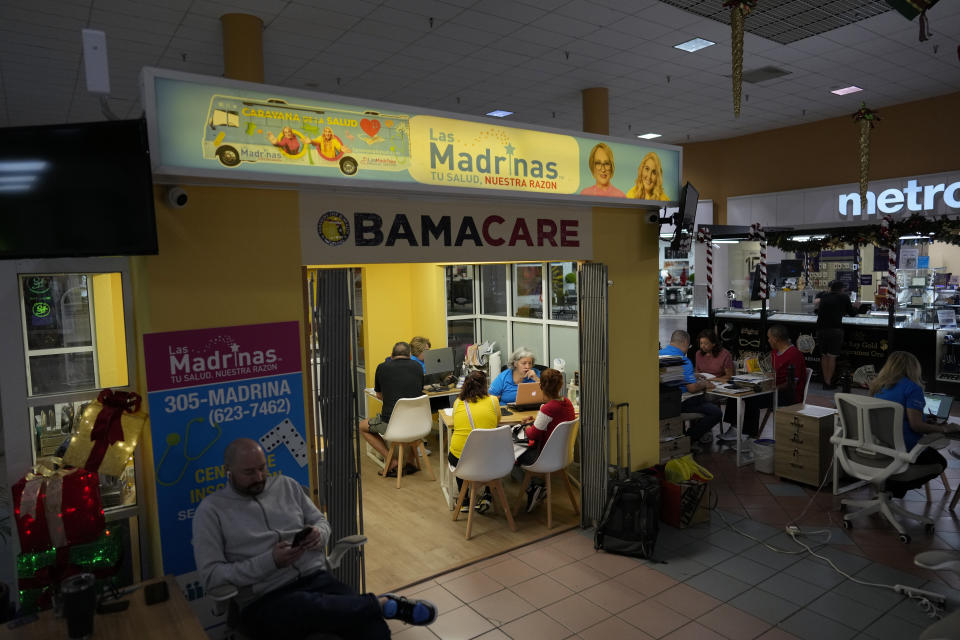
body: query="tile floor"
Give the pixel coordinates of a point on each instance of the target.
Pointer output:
(716, 580)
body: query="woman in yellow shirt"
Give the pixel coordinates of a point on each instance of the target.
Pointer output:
(473, 409)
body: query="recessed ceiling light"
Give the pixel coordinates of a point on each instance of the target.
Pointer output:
(500, 113)
(648, 136)
(845, 90)
(694, 45)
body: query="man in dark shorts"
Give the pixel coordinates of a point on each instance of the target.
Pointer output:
(399, 377)
(831, 307)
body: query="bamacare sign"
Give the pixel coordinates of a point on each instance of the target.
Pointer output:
(914, 198)
(350, 230)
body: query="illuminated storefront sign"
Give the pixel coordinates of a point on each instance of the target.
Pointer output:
(350, 229)
(212, 128)
(914, 197)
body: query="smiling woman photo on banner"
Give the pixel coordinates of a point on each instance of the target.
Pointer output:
(601, 166)
(649, 184)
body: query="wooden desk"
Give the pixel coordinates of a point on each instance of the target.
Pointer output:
(170, 619)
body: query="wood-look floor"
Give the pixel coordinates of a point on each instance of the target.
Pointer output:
(412, 536)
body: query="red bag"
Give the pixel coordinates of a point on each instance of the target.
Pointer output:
(57, 507)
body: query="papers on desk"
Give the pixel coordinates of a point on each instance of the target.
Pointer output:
(448, 412)
(815, 411)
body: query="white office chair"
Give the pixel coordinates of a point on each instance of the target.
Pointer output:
(555, 456)
(868, 443)
(409, 423)
(487, 456)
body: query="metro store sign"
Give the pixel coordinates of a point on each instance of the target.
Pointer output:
(211, 129)
(913, 198)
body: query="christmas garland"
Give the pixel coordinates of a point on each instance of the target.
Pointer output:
(738, 11)
(867, 119)
(941, 229)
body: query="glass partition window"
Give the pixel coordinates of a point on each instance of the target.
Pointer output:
(57, 326)
(460, 335)
(531, 305)
(528, 290)
(74, 339)
(493, 286)
(459, 290)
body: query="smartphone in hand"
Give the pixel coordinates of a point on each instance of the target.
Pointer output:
(301, 536)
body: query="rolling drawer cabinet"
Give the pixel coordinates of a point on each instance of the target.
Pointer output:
(803, 451)
(671, 427)
(674, 447)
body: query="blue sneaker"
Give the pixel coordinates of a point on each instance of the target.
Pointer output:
(416, 612)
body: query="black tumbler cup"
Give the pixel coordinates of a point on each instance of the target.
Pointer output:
(79, 604)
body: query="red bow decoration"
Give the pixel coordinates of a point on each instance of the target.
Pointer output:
(108, 429)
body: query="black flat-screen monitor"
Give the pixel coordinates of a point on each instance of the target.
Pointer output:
(791, 268)
(76, 190)
(685, 216)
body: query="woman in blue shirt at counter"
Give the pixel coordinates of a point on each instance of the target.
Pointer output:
(899, 381)
(519, 369)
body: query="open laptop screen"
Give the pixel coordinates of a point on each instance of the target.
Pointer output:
(937, 404)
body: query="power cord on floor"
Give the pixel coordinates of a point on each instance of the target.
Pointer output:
(930, 602)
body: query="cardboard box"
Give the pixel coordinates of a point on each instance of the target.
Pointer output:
(684, 504)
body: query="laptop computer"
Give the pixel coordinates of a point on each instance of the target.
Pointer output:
(529, 397)
(937, 405)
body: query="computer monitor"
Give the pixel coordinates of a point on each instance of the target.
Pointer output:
(685, 216)
(791, 268)
(438, 363)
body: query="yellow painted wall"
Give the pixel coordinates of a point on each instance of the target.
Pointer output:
(230, 257)
(111, 332)
(628, 246)
(401, 301)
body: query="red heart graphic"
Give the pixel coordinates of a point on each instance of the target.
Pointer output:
(370, 127)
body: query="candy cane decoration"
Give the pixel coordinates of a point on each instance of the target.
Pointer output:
(708, 238)
(757, 233)
(891, 262)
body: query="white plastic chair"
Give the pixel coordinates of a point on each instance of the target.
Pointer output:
(409, 423)
(555, 456)
(806, 385)
(869, 445)
(486, 458)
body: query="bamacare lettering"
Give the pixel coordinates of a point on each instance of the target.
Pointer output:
(893, 200)
(492, 230)
(184, 364)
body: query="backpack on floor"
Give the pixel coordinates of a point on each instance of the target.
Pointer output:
(631, 520)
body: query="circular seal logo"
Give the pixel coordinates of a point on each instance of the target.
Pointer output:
(41, 310)
(333, 228)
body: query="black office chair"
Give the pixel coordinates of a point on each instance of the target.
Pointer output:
(224, 596)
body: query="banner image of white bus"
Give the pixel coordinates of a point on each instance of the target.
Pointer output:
(242, 130)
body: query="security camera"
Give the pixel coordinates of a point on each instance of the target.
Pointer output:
(652, 217)
(177, 198)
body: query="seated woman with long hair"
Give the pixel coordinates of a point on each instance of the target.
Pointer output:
(899, 381)
(554, 411)
(473, 409)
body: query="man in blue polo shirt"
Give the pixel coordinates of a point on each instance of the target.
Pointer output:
(679, 345)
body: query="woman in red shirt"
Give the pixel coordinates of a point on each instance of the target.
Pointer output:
(713, 359)
(554, 411)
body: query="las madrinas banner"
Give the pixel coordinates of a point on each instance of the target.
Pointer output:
(213, 128)
(206, 388)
